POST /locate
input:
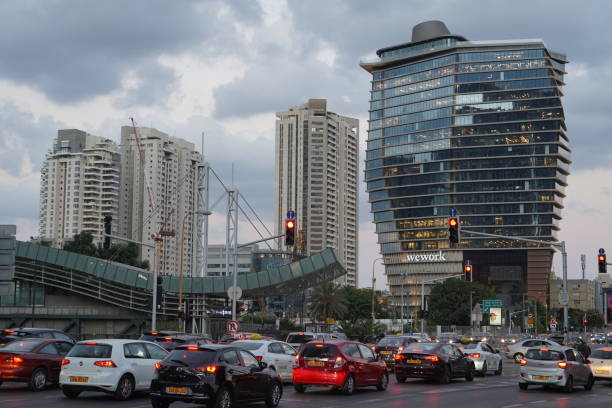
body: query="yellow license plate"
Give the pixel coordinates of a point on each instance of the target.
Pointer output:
(79, 379)
(386, 352)
(541, 377)
(177, 390)
(602, 371)
(316, 363)
(414, 361)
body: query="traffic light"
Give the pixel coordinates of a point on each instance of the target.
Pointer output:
(468, 270)
(453, 230)
(290, 232)
(160, 291)
(107, 230)
(585, 321)
(601, 260)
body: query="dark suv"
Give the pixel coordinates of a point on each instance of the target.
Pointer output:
(574, 342)
(9, 335)
(215, 375)
(171, 340)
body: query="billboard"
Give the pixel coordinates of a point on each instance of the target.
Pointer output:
(495, 316)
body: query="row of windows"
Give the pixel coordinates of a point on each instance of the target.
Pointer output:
(418, 87)
(413, 117)
(532, 231)
(409, 79)
(468, 220)
(503, 75)
(506, 95)
(413, 97)
(505, 85)
(410, 138)
(465, 243)
(524, 138)
(508, 128)
(509, 116)
(415, 107)
(508, 106)
(418, 48)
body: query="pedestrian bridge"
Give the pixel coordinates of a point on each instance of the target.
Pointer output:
(131, 288)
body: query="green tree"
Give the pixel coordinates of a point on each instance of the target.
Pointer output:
(82, 243)
(127, 254)
(328, 301)
(449, 301)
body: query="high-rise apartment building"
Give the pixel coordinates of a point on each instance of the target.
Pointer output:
(159, 173)
(477, 126)
(316, 160)
(79, 186)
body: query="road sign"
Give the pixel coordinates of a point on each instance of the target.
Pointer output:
(452, 212)
(563, 298)
(234, 292)
(233, 326)
(291, 215)
(495, 316)
(489, 303)
(468, 261)
(602, 251)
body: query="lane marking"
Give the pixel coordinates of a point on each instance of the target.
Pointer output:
(537, 402)
(512, 406)
(440, 391)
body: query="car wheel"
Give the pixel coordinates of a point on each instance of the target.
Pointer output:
(499, 368)
(299, 388)
(523, 386)
(569, 385)
(125, 388)
(159, 403)
(483, 372)
(223, 399)
(469, 375)
(589, 385)
(70, 392)
(274, 395)
(518, 357)
(349, 385)
(446, 376)
(400, 380)
(384, 382)
(38, 381)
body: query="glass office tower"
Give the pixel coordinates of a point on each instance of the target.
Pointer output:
(473, 125)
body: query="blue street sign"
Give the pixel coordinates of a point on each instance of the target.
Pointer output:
(602, 251)
(468, 261)
(452, 212)
(291, 214)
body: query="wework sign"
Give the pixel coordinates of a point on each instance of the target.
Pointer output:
(428, 257)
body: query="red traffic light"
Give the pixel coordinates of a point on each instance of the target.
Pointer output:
(290, 224)
(601, 258)
(452, 222)
(468, 268)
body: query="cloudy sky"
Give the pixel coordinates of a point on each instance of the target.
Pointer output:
(224, 68)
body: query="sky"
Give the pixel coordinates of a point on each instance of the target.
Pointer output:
(223, 68)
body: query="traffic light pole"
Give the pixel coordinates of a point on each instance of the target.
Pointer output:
(560, 246)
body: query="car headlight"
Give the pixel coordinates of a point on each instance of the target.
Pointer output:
(503, 341)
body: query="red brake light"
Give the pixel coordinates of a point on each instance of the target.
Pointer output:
(158, 366)
(65, 362)
(523, 362)
(9, 331)
(105, 363)
(562, 364)
(418, 349)
(400, 348)
(544, 349)
(318, 345)
(433, 358)
(258, 358)
(339, 362)
(207, 369)
(474, 355)
(168, 339)
(192, 348)
(90, 343)
(154, 333)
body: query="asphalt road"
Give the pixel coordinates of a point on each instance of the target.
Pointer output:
(489, 392)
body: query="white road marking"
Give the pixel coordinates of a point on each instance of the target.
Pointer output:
(512, 406)
(440, 391)
(537, 402)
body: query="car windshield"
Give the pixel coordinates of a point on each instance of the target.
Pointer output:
(320, 351)
(469, 346)
(418, 347)
(191, 358)
(390, 341)
(248, 345)
(91, 350)
(604, 353)
(22, 345)
(544, 354)
(299, 338)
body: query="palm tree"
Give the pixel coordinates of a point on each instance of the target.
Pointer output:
(327, 301)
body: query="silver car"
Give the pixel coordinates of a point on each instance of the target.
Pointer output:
(601, 363)
(485, 357)
(555, 366)
(517, 351)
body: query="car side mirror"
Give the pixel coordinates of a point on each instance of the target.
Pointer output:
(263, 365)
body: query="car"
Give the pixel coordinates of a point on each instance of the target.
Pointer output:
(278, 355)
(558, 366)
(449, 337)
(598, 338)
(231, 337)
(601, 363)
(169, 341)
(422, 337)
(574, 342)
(342, 364)
(485, 357)
(437, 361)
(296, 339)
(517, 351)
(16, 333)
(216, 375)
(115, 366)
(510, 339)
(34, 361)
(481, 336)
(388, 346)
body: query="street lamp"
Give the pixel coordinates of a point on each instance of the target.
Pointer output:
(373, 289)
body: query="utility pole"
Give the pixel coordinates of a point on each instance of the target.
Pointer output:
(373, 296)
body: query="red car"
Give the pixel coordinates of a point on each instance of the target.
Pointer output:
(341, 364)
(31, 360)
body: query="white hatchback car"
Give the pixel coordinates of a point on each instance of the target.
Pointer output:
(517, 351)
(119, 367)
(278, 355)
(601, 363)
(485, 357)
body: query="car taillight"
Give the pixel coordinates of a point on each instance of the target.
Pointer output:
(339, 362)
(258, 358)
(399, 356)
(433, 358)
(65, 362)
(105, 363)
(523, 362)
(474, 355)
(400, 348)
(158, 366)
(14, 360)
(207, 369)
(562, 364)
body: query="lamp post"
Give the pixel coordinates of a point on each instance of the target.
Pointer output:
(181, 307)
(373, 297)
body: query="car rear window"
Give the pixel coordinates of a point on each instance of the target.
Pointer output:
(249, 345)
(192, 358)
(93, 350)
(545, 355)
(319, 351)
(299, 338)
(390, 341)
(605, 353)
(418, 347)
(468, 346)
(22, 345)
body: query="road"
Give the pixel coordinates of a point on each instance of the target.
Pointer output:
(489, 392)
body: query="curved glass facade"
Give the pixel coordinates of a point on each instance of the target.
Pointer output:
(474, 126)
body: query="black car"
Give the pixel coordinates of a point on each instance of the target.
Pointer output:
(389, 346)
(170, 340)
(216, 375)
(574, 342)
(437, 361)
(9, 335)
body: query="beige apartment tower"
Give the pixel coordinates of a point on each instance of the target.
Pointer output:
(79, 186)
(157, 194)
(316, 175)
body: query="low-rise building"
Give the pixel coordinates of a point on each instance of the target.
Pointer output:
(582, 293)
